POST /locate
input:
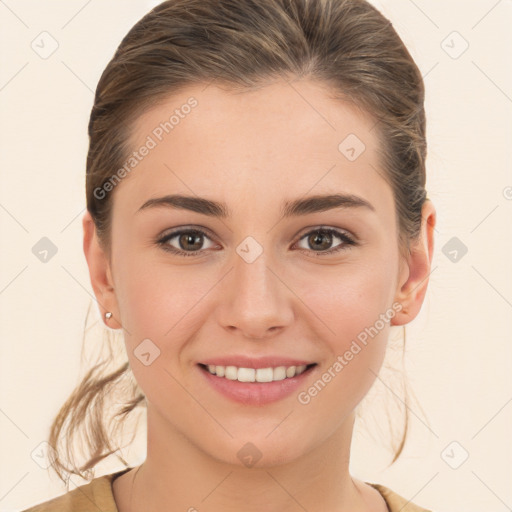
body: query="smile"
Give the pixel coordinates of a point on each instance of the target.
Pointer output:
(256, 386)
(256, 375)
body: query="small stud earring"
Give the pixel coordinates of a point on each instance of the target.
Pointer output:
(108, 315)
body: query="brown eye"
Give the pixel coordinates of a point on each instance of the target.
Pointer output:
(320, 241)
(188, 242)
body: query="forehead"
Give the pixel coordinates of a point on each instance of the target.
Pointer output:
(282, 139)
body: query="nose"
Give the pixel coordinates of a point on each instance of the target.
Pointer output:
(255, 300)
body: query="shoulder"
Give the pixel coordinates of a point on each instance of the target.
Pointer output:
(94, 496)
(395, 502)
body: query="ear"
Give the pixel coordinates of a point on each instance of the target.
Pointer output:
(416, 270)
(100, 273)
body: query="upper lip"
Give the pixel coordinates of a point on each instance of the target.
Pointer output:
(242, 361)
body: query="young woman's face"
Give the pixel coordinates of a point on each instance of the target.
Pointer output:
(256, 283)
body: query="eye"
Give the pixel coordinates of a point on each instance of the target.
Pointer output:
(322, 238)
(189, 241)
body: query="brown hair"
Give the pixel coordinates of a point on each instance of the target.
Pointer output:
(347, 44)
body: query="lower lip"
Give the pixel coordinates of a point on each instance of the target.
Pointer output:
(256, 393)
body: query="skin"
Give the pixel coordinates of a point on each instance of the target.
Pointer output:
(253, 150)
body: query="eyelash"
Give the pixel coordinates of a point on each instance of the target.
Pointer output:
(348, 241)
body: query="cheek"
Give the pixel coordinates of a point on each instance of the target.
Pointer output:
(163, 305)
(160, 301)
(350, 298)
(354, 307)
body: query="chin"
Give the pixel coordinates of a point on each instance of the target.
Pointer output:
(256, 452)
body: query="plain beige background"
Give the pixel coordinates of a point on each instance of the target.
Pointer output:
(459, 355)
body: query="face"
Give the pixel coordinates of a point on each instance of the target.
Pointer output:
(255, 283)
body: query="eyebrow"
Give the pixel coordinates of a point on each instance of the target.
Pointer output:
(297, 207)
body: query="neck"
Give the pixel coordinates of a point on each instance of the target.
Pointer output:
(177, 475)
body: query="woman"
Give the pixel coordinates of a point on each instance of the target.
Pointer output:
(256, 222)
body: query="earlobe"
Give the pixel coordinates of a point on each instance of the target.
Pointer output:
(100, 274)
(412, 289)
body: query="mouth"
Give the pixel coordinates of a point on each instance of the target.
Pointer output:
(256, 386)
(268, 374)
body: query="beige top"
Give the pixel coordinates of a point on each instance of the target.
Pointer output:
(97, 496)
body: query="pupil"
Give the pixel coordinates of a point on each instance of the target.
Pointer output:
(319, 237)
(185, 239)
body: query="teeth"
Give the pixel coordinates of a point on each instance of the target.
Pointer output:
(231, 372)
(246, 374)
(290, 371)
(256, 375)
